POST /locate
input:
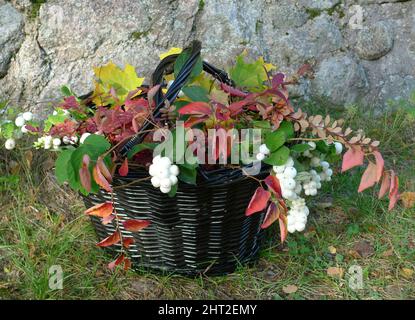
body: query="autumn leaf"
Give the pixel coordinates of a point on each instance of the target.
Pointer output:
(408, 199)
(127, 242)
(196, 108)
(407, 273)
(135, 225)
(369, 177)
(290, 289)
(258, 201)
(100, 179)
(273, 184)
(271, 216)
(108, 219)
(335, 272)
(109, 241)
(385, 186)
(123, 170)
(172, 51)
(352, 158)
(393, 190)
(380, 163)
(84, 174)
(104, 170)
(101, 210)
(282, 219)
(127, 264)
(116, 262)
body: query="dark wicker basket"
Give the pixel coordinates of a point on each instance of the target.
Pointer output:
(203, 229)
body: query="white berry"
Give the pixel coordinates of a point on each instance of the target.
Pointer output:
(165, 183)
(155, 181)
(165, 190)
(260, 156)
(290, 172)
(10, 144)
(339, 147)
(264, 149)
(19, 122)
(173, 180)
(278, 169)
(83, 137)
(312, 145)
(27, 116)
(174, 170)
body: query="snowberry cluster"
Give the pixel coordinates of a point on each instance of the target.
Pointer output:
(297, 216)
(263, 152)
(20, 122)
(164, 173)
(286, 174)
(47, 142)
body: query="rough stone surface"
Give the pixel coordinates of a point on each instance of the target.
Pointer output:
(11, 36)
(374, 41)
(369, 61)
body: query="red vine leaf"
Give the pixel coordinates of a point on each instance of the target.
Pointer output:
(380, 163)
(108, 219)
(84, 174)
(369, 177)
(123, 170)
(101, 210)
(135, 225)
(274, 185)
(258, 201)
(352, 158)
(385, 186)
(232, 91)
(109, 241)
(100, 179)
(271, 216)
(196, 108)
(393, 191)
(104, 170)
(127, 242)
(116, 262)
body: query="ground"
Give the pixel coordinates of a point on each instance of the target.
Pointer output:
(42, 225)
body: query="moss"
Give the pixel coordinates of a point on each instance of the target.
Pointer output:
(258, 26)
(137, 35)
(313, 13)
(201, 5)
(34, 11)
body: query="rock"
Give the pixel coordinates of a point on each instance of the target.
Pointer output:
(374, 41)
(11, 35)
(340, 80)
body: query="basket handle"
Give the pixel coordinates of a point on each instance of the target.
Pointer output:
(177, 85)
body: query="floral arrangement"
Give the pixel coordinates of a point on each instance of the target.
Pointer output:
(298, 149)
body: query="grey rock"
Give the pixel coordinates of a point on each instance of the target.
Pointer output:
(339, 80)
(11, 35)
(374, 41)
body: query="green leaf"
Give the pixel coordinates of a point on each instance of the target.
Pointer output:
(279, 157)
(97, 142)
(173, 191)
(288, 128)
(181, 60)
(248, 75)
(188, 173)
(262, 124)
(55, 119)
(275, 140)
(322, 146)
(7, 130)
(62, 164)
(140, 147)
(66, 92)
(196, 93)
(301, 147)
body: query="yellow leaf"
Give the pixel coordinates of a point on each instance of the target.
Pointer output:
(268, 66)
(408, 199)
(332, 249)
(170, 52)
(407, 273)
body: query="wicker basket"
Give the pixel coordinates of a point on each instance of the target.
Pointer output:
(203, 229)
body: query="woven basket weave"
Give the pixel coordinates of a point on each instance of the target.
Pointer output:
(203, 229)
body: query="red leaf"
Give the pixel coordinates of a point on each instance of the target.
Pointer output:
(283, 227)
(258, 201)
(196, 108)
(386, 182)
(379, 165)
(237, 107)
(271, 216)
(102, 210)
(369, 177)
(109, 241)
(273, 184)
(100, 179)
(84, 174)
(232, 91)
(127, 242)
(135, 225)
(191, 121)
(393, 191)
(352, 158)
(127, 264)
(108, 219)
(278, 79)
(116, 262)
(123, 170)
(104, 170)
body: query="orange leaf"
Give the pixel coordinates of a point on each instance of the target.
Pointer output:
(385, 186)
(393, 191)
(123, 170)
(135, 225)
(283, 227)
(380, 163)
(271, 216)
(127, 242)
(109, 241)
(84, 173)
(127, 264)
(102, 210)
(369, 177)
(258, 201)
(104, 170)
(273, 184)
(100, 179)
(352, 158)
(108, 219)
(116, 262)
(408, 199)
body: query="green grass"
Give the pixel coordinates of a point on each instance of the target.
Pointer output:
(42, 225)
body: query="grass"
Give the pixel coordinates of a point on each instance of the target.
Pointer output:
(42, 225)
